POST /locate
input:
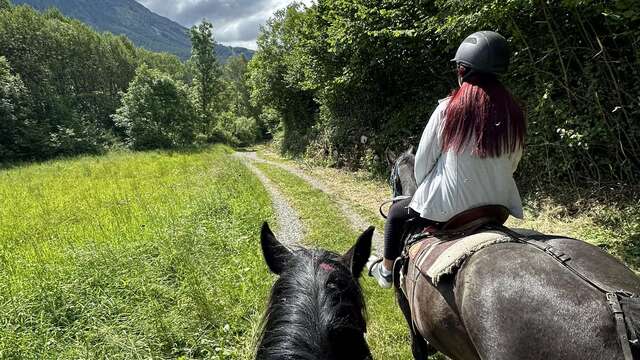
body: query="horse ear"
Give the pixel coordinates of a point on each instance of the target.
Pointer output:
(358, 255)
(275, 254)
(391, 157)
(411, 150)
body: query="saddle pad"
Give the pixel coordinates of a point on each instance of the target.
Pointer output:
(436, 258)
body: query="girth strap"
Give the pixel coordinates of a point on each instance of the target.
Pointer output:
(621, 327)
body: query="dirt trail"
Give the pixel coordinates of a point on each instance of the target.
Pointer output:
(290, 230)
(357, 222)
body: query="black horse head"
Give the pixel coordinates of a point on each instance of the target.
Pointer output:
(316, 309)
(402, 179)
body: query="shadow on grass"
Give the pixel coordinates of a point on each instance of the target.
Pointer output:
(186, 150)
(613, 207)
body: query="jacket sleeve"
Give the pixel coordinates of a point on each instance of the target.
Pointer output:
(430, 147)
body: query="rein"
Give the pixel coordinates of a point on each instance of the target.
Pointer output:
(390, 201)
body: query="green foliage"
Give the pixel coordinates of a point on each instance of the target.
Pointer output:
(156, 111)
(73, 77)
(5, 4)
(205, 68)
(236, 91)
(341, 69)
(273, 77)
(235, 130)
(14, 112)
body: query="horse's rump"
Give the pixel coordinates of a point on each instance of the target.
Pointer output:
(513, 293)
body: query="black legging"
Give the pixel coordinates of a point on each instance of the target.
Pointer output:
(399, 213)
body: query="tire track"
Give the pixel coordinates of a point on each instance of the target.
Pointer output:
(356, 221)
(290, 230)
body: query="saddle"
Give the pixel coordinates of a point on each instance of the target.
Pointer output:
(439, 249)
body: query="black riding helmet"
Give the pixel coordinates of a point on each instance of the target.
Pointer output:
(484, 51)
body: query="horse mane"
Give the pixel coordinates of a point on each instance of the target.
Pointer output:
(316, 311)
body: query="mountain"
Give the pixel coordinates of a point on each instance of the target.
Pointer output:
(128, 17)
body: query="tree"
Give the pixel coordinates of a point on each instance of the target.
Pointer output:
(206, 69)
(5, 4)
(13, 112)
(235, 86)
(156, 111)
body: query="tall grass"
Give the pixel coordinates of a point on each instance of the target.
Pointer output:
(131, 256)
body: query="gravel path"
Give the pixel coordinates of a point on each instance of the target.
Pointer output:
(290, 230)
(357, 222)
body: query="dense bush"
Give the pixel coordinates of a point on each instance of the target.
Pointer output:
(235, 130)
(69, 78)
(339, 70)
(14, 112)
(156, 112)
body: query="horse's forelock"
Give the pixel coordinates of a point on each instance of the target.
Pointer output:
(315, 296)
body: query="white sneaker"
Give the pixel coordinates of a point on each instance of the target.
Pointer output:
(375, 270)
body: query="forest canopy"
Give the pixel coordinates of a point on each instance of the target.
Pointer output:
(348, 78)
(66, 89)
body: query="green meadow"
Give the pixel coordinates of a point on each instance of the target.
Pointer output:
(132, 255)
(153, 255)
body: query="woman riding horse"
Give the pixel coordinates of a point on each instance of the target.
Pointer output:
(469, 149)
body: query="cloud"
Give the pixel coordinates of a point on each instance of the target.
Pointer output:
(235, 22)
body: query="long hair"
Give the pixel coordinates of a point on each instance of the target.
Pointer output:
(483, 109)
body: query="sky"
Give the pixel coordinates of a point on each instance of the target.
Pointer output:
(235, 22)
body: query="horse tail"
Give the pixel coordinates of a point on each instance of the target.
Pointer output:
(631, 309)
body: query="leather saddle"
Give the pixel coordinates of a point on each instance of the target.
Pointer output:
(471, 220)
(462, 224)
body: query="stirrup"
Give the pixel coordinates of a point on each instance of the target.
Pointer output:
(371, 265)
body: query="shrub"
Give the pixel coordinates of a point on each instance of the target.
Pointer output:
(156, 112)
(235, 130)
(13, 112)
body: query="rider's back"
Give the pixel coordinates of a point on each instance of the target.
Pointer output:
(451, 182)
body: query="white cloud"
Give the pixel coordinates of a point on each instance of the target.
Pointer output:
(235, 22)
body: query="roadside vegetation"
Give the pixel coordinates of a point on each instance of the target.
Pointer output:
(67, 90)
(347, 79)
(143, 255)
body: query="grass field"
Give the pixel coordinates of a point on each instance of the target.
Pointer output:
(145, 255)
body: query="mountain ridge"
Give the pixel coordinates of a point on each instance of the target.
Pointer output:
(132, 19)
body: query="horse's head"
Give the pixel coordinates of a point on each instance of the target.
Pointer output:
(402, 178)
(316, 305)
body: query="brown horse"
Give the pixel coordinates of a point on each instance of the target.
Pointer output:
(513, 301)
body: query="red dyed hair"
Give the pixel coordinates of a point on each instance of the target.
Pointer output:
(483, 109)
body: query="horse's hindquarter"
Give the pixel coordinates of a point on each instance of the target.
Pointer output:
(519, 303)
